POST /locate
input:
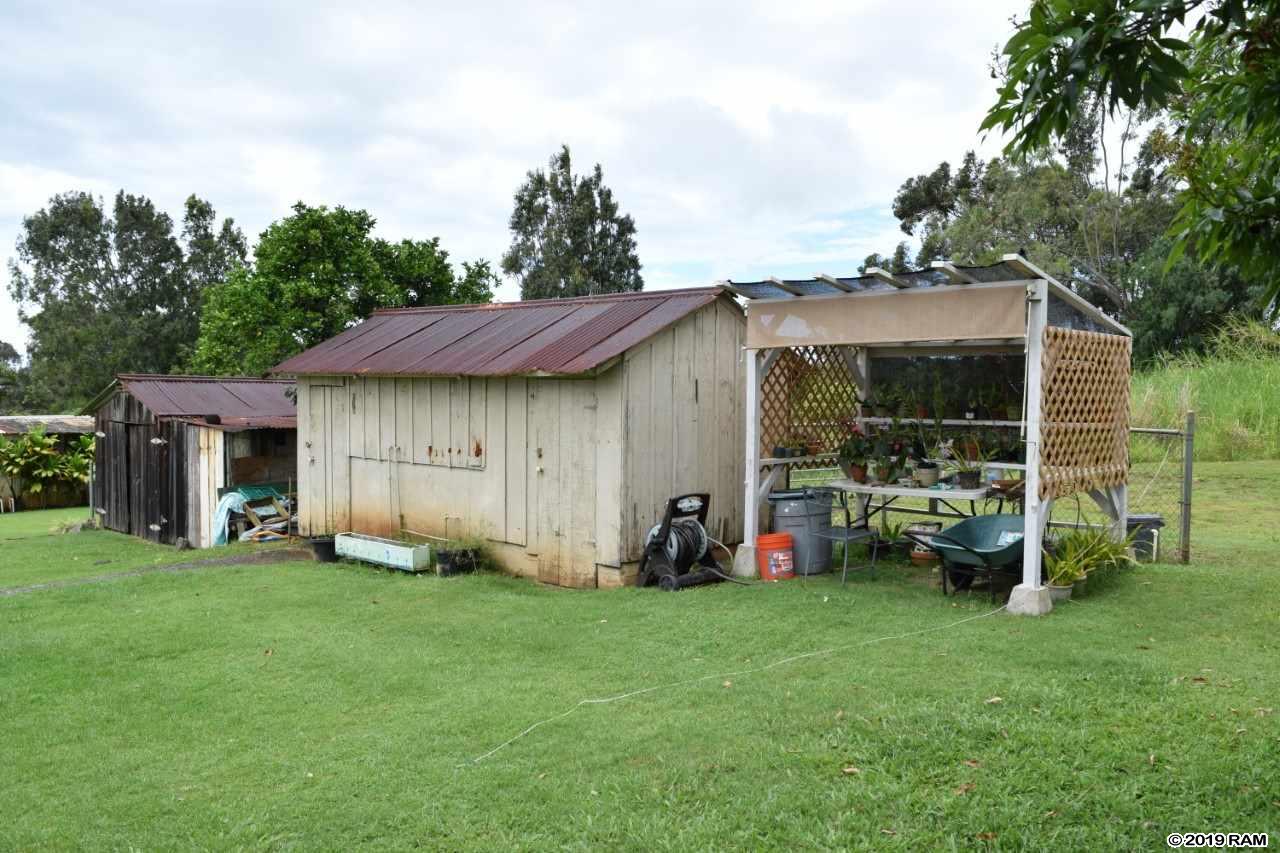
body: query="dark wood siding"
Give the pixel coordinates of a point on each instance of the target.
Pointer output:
(141, 483)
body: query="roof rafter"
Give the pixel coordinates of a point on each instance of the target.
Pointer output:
(784, 287)
(887, 277)
(957, 275)
(834, 282)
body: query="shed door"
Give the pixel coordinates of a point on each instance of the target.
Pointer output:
(138, 437)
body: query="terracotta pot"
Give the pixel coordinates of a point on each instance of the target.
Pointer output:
(971, 450)
(857, 473)
(922, 413)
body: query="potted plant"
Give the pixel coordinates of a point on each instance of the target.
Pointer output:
(888, 539)
(926, 473)
(852, 455)
(939, 399)
(1013, 404)
(969, 467)
(1062, 575)
(459, 556)
(920, 555)
(884, 404)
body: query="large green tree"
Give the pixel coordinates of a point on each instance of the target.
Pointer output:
(315, 273)
(1213, 64)
(111, 293)
(568, 238)
(1090, 216)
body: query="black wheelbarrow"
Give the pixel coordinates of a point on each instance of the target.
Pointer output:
(986, 545)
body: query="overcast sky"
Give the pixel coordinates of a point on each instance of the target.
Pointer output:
(745, 139)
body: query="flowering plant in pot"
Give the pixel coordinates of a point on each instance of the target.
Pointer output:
(852, 455)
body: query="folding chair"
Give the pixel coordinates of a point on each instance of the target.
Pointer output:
(850, 533)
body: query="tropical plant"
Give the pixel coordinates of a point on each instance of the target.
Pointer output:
(1085, 551)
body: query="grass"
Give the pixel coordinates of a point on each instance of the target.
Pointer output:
(1234, 390)
(29, 539)
(304, 705)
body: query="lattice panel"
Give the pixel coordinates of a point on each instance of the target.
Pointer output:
(807, 393)
(1084, 422)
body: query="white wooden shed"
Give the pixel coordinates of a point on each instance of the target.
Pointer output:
(555, 429)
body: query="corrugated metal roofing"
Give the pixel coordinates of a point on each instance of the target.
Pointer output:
(548, 336)
(197, 396)
(920, 278)
(52, 424)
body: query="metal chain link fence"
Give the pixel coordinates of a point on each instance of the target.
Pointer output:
(1159, 487)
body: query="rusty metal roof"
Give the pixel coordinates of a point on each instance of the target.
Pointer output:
(547, 336)
(200, 396)
(230, 424)
(52, 424)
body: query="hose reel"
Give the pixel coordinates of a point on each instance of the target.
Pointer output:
(677, 551)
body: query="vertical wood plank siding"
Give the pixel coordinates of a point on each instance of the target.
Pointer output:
(142, 472)
(570, 473)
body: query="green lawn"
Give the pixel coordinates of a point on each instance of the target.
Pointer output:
(35, 551)
(305, 705)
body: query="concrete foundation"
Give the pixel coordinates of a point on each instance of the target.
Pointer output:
(744, 561)
(1027, 601)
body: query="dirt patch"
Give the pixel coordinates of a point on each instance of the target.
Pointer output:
(280, 555)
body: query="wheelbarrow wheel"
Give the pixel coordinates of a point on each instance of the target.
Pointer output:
(960, 579)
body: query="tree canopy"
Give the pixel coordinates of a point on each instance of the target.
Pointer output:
(111, 293)
(568, 238)
(1094, 216)
(1220, 86)
(315, 273)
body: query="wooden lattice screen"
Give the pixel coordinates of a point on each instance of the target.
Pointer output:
(808, 393)
(1084, 403)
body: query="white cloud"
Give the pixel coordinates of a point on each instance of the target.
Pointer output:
(739, 136)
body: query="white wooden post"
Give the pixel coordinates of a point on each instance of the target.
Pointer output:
(744, 559)
(1030, 597)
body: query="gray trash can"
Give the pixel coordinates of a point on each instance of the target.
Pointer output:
(802, 513)
(1146, 544)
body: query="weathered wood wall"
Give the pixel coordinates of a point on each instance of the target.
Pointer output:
(140, 465)
(684, 425)
(566, 474)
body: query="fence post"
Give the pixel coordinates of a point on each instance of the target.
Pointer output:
(1188, 458)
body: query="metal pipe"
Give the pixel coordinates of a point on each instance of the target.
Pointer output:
(1188, 460)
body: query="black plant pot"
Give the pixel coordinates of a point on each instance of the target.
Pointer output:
(323, 549)
(455, 562)
(968, 479)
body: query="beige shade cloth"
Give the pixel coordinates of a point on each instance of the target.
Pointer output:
(948, 313)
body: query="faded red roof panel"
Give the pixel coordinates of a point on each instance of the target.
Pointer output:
(563, 336)
(176, 396)
(239, 424)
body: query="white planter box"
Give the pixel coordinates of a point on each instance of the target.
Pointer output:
(384, 552)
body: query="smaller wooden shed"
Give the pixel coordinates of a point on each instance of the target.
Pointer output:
(556, 429)
(168, 446)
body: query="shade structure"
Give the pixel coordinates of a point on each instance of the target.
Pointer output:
(975, 312)
(828, 333)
